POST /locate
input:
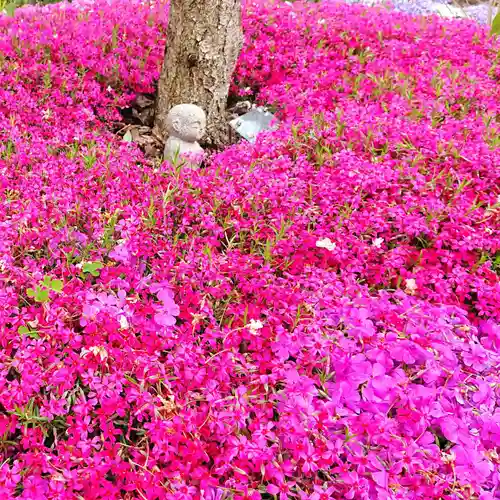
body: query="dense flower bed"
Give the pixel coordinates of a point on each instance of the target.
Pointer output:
(316, 316)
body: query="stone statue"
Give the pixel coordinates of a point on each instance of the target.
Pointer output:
(186, 124)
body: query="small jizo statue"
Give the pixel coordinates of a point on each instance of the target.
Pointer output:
(186, 124)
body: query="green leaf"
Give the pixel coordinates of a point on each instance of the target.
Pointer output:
(41, 295)
(56, 285)
(495, 25)
(128, 136)
(10, 8)
(46, 281)
(30, 292)
(24, 330)
(92, 268)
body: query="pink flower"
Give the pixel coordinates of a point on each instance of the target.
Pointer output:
(322, 493)
(166, 313)
(282, 491)
(339, 330)
(476, 357)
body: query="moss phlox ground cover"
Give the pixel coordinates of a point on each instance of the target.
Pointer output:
(313, 316)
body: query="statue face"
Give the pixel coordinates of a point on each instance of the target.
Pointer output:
(194, 130)
(188, 123)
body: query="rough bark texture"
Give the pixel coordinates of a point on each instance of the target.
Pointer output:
(204, 39)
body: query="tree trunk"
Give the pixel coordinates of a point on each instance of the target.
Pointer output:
(204, 38)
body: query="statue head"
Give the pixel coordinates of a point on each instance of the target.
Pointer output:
(186, 122)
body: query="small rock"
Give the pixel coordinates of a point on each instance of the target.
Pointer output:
(450, 11)
(145, 116)
(240, 108)
(142, 101)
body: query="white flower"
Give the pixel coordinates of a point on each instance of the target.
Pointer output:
(377, 242)
(411, 286)
(326, 243)
(254, 326)
(99, 351)
(123, 322)
(46, 114)
(96, 350)
(448, 458)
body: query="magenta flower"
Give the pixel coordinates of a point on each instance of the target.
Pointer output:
(339, 334)
(282, 491)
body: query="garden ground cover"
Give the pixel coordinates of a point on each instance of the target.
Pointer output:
(313, 316)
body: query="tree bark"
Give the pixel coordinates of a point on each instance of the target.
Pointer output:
(204, 39)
